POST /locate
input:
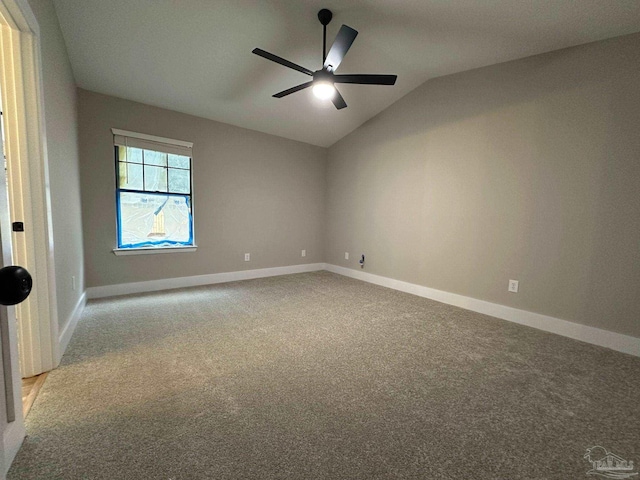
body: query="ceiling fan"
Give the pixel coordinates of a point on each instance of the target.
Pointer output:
(324, 80)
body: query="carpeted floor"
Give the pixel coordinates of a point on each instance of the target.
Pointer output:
(318, 376)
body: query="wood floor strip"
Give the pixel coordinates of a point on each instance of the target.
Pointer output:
(35, 384)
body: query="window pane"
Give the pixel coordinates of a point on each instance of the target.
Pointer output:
(178, 161)
(155, 158)
(148, 220)
(179, 181)
(134, 155)
(130, 176)
(155, 178)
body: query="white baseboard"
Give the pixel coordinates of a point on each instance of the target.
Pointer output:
(595, 336)
(197, 280)
(70, 326)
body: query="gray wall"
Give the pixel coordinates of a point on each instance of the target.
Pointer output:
(253, 193)
(62, 147)
(527, 170)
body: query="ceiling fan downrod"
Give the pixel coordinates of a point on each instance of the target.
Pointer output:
(325, 17)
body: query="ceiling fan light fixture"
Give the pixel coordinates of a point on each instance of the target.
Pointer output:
(324, 90)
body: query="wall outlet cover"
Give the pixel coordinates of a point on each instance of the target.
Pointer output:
(513, 286)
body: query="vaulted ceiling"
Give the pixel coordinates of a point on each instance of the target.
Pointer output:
(194, 56)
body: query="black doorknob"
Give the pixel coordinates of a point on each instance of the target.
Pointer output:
(15, 285)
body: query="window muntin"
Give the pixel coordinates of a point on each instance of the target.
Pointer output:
(153, 195)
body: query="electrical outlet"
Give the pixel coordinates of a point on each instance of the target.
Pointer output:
(247, 257)
(304, 253)
(73, 282)
(346, 255)
(513, 286)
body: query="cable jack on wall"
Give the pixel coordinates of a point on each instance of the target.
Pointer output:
(361, 261)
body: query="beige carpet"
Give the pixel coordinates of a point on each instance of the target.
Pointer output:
(317, 376)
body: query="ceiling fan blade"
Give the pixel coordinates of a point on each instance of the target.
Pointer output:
(340, 46)
(281, 61)
(291, 90)
(338, 101)
(366, 79)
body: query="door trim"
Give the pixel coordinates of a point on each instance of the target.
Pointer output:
(29, 195)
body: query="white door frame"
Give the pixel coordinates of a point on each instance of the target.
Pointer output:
(29, 202)
(11, 420)
(29, 195)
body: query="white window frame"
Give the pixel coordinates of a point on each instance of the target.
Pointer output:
(162, 144)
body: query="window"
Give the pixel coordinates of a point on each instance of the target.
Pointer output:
(153, 192)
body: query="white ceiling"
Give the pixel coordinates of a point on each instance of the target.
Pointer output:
(194, 56)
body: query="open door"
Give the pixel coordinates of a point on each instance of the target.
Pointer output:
(21, 90)
(11, 419)
(25, 199)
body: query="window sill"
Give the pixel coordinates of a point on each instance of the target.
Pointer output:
(153, 250)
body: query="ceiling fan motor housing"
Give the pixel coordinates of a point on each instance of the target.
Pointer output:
(323, 75)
